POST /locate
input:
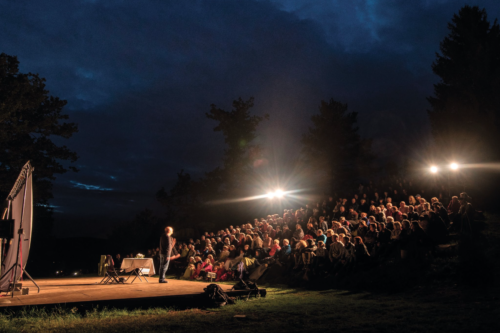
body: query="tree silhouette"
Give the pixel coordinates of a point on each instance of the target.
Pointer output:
(464, 112)
(29, 119)
(333, 146)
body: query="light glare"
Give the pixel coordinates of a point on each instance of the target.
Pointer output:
(279, 193)
(434, 169)
(453, 166)
(270, 195)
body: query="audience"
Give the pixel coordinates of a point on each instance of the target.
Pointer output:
(365, 229)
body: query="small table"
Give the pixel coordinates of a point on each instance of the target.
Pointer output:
(136, 266)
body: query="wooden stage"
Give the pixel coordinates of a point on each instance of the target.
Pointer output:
(86, 292)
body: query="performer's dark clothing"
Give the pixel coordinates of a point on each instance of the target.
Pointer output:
(165, 253)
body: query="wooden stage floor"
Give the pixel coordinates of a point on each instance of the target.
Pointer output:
(87, 292)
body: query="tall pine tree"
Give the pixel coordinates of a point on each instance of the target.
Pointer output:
(333, 147)
(465, 108)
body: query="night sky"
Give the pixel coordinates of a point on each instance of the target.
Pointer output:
(140, 75)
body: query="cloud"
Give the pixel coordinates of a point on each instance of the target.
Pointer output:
(139, 78)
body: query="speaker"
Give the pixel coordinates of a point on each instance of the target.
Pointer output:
(7, 229)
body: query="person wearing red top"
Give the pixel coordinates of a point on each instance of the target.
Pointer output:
(275, 248)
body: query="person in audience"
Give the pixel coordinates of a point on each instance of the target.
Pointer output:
(379, 215)
(396, 231)
(412, 201)
(297, 235)
(323, 224)
(336, 251)
(371, 236)
(353, 215)
(275, 248)
(360, 250)
(412, 214)
(396, 214)
(320, 236)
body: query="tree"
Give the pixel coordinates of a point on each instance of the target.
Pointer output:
(29, 119)
(464, 112)
(188, 202)
(239, 129)
(333, 146)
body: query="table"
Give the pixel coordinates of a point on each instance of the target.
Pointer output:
(138, 266)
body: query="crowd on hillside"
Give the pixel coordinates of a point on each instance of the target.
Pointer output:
(333, 237)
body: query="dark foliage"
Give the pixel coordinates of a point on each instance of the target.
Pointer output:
(334, 148)
(465, 108)
(29, 119)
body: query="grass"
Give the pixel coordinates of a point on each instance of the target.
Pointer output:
(287, 310)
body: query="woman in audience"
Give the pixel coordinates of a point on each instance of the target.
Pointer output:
(412, 201)
(360, 250)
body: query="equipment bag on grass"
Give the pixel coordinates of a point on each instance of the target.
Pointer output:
(217, 295)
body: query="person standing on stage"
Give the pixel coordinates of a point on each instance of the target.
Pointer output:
(166, 244)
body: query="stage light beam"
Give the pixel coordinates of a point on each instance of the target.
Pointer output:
(279, 193)
(453, 166)
(270, 195)
(434, 169)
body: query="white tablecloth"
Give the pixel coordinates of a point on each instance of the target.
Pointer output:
(147, 265)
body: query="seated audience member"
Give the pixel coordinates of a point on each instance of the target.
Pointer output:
(353, 215)
(320, 256)
(285, 251)
(267, 242)
(308, 253)
(224, 254)
(379, 216)
(360, 250)
(412, 214)
(336, 250)
(354, 205)
(454, 205)
(189, 272)
(298, 251)
(403, 208)
(297, 235)
(310, 231)
(372, 211)
(349, 251)
(320, 236)
(363, 227)
(396, 214)
(371, 236)
(364, 207)
(323, 224)
(396, 231)
(275, 248)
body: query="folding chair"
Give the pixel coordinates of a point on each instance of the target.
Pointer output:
(110, 274)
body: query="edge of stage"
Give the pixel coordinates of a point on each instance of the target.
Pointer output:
(86, 292)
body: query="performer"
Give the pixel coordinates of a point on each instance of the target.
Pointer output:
(166, 245)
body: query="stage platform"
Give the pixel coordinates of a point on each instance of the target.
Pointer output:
(86, 292)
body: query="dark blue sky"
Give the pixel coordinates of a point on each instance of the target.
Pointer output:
(140, 75)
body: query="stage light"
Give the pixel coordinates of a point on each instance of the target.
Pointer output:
(279, 193)
(453, 166)
(270, 195)
(434, 169)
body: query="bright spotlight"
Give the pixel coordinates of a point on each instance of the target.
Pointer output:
(270, 195)
(434, 169)
(279, 193)
(453, 166)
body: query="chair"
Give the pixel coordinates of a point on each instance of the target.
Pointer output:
(110, 274)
